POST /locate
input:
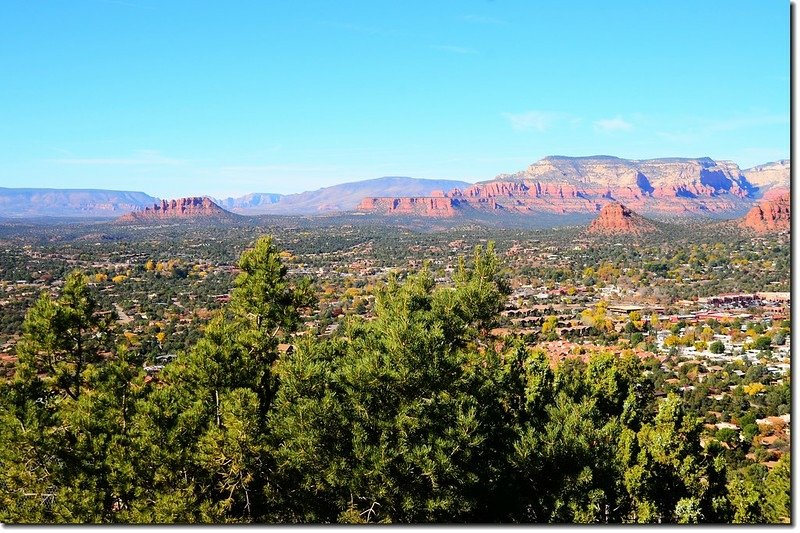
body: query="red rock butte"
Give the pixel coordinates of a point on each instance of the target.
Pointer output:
(615, 218)
(770, 215)
(190, 208)
(436, 205)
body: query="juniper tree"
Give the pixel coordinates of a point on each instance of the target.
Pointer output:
(61, 337)
(59, 425)
(206, 427)
(385, 423)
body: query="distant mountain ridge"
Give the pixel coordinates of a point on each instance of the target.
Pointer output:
(249, 201)
(29, 202)
(107, 203)
(345, 196)
(553, 186)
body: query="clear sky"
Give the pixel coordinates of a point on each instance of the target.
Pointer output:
(179, 98)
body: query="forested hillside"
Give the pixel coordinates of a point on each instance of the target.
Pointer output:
(414, 415)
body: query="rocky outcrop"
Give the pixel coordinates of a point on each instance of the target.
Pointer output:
(192, 208)
(658, 186)
(645, 175)
(581, 185)
(776, 193)
(426, 206)
(615, 218)
(773, 215)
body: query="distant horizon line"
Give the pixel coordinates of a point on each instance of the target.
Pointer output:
(231, 196)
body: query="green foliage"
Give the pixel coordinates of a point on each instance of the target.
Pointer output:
(65, 455)
(414, 415)
(763, 342)
(716, 347)
(206, 427)
(778, 491)
(728, 435)
(62, 337)
(482, 290)
(668, 475)
(687, 511)
(385, 424)
(746, 496)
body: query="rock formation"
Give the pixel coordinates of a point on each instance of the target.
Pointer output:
(770, 175)
(776, 193)
(772, 215)
(343, 197)
(580, 185)
(615, 218)
(427, 206)
(192, 208)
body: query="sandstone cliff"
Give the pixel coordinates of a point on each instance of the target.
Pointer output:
(770, 175)
(192, 208)
(581, 185)
(615, 218)
(773, 215)
(427, 206)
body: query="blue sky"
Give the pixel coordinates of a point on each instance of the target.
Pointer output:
(179, 98)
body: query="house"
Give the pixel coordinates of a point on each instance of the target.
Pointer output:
(285, 348)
